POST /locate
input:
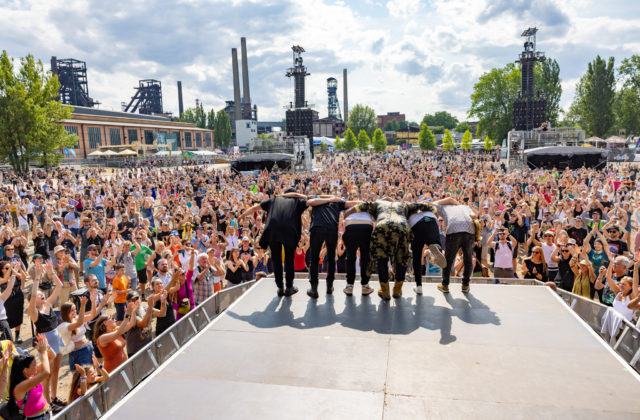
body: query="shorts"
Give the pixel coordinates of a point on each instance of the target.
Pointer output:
(23, 228)
(82, 356)
(142, 276)
(53, 338)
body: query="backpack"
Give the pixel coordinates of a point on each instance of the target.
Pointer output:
(508, 245)
(77, 294)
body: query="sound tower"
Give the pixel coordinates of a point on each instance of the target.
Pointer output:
(300, 123)
(529, 110)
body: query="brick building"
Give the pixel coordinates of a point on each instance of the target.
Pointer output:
(384, 119)
(99, 129)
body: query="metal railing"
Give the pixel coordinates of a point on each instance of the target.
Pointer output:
(104, 396)
(627, 343)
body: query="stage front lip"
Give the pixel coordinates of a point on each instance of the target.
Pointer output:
(498, 352)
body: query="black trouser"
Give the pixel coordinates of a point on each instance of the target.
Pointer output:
(424, 233)
(318, 236)
(354, 237)
(454, 242)
(383, 271)
(276, 256)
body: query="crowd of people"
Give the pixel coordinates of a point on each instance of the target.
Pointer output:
(101, 262)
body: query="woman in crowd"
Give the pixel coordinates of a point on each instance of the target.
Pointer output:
(108, 337)
(184, 302)
(25, 382)
(13, 279)
(72, 331)
(85, 377)
(46, 323)
(584, 278)
(235, 267)
(535, 267)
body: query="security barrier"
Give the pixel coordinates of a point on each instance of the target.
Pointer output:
(102, 397)
(627, 343)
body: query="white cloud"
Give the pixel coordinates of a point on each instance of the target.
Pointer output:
(403, 8)
(402, 55)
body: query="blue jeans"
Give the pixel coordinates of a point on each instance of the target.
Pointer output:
(120, 307)
(81, 357)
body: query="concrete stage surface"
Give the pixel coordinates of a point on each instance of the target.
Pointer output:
(498, 352)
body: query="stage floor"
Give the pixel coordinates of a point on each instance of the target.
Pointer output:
(498, 352)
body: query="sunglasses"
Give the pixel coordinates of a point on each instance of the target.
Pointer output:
(535, 252)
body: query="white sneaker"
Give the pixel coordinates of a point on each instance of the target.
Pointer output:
(418, 290)
(367, 290)
(348, 290)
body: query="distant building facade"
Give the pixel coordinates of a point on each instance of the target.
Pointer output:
(101, 129)
(384, 119)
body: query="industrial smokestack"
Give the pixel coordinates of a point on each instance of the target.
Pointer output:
(346, 99)
(246, 113)
(236, 84)
(180, 105)
(54, 64)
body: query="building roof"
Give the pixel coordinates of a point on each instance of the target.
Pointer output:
(81, 110)
(175, 126)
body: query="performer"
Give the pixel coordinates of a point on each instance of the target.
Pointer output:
(390, 240)
(358, 227)
(460, 234)
(424, 226)
(282, 230)
(325, 215)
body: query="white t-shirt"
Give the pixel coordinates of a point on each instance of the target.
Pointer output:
(548, 250)
(3, 311)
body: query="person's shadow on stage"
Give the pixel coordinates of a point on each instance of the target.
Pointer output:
(472, 310)
(317, 315)
(276, 314)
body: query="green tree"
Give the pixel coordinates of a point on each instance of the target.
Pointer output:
(402, 125)
(492, 100)
(465, 144)
(211, 119)
(362, 118)
(462, 127)
(349, 141)
(442, 118)
(391, 125)
(323, 148)
(222, 132)
(626, 108)
(30, 114)
(427, 140)
(201, 117)
(363, 141)
(628, 98)
(379, 141)
(447, 141)
(438, 129)
(337, 145)
(630, 72)
(189, 116)
(547, 81)
(595, 95)
(488, 143)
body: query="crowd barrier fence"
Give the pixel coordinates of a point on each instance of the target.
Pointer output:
(104, 396)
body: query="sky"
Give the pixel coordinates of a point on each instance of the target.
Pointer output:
(409, 56)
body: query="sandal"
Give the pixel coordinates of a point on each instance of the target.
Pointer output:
(59, 401)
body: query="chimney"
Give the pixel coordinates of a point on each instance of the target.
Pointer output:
(54, 64)
(246, 112)
(346, 99)
(180, 105)
(236, 85)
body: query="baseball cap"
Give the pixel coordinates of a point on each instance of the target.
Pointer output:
(132, 295)
(246, 238)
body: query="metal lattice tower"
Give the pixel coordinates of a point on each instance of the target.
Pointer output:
(529, 110)
(72, 75)
(333, 106)
(148, 98)
(298, 72)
